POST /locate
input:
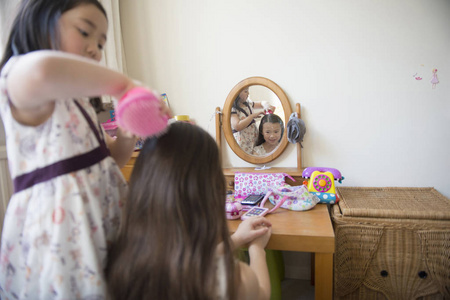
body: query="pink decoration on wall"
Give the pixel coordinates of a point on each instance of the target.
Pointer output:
(434, 79)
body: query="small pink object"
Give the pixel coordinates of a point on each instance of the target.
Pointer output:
(110, 127)
(233, 208)
(138, 112)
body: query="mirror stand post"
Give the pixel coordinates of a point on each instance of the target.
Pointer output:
(218, 127)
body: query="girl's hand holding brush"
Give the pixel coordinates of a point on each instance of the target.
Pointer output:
(142, 112)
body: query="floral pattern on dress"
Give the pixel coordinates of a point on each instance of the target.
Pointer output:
(259, 150)
(245, 138)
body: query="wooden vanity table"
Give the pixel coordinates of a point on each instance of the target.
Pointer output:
(128, 168)
(305, 231)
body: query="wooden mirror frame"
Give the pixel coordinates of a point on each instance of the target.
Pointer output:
(228, 133)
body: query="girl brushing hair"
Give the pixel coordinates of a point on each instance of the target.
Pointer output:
(66, 172)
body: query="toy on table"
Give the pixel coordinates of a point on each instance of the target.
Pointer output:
(138, 112)
(252, 200)
(110, 127)
(321, 183)
(260, 210)
(233, 208)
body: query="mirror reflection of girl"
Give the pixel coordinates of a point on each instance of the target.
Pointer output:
(243, 118)
(174, 241)
(271, 130)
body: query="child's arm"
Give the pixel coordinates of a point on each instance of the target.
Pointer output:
(40, 77)
(249, 230)
(239, 125)
(264, 105)
(257, 104)
(255, 280)
(122, 147)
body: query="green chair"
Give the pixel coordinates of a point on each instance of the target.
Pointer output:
(275, 264)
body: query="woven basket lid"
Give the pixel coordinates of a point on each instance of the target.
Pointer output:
(393, 202)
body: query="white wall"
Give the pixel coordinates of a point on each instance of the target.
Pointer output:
(349, 63)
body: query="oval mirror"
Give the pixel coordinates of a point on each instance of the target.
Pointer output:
(259, 93)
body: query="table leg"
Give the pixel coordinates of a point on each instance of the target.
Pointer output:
(324, 276)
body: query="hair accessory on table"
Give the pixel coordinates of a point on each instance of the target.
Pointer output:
(138, 112)
(296, 129)
(298, 197)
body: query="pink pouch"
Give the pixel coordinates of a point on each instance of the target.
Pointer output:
(256, 183)
(110, 127)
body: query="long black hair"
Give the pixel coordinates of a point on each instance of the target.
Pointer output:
(269, 118)
(173, 219)
(237, 107)
(35, 27)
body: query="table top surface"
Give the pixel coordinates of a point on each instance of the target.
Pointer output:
(305, 231)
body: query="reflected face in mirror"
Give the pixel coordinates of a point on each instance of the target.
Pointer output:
(271, 129)
(243, 95)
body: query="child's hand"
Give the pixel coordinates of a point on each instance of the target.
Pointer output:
(122, 133)
(164, 109)
(257, 114)
(249, 230)
(262, 240)
(272, 108)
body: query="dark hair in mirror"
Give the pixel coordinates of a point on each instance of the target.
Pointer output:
(236, 103)
(35, 26)
(269, 118)
(173, 220)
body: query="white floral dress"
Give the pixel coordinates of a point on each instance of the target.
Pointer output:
(58, 225)
(246, 137)
(259, 150)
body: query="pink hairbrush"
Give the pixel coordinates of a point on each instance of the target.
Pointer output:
(138, 112)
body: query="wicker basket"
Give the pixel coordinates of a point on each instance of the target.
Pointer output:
(391, 243)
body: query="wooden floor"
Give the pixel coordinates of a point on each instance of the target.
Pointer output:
(296, 289)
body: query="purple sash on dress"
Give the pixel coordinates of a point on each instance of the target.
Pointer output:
(65, 166)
